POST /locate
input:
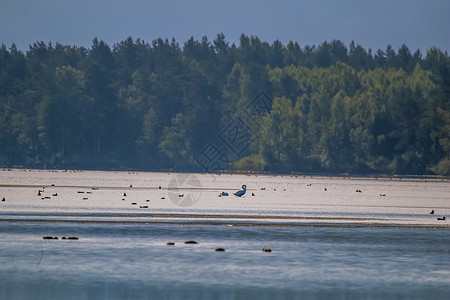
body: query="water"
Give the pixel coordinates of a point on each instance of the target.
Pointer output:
(333, 244)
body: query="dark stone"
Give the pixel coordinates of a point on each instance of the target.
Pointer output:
(191, 242)
(266, 250)
(220, 250)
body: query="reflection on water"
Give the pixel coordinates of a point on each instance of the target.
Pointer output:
(325, 244)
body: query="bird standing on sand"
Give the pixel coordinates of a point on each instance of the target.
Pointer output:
(241, 192)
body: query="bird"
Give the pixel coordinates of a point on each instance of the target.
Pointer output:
(224, 194)
(441, 219)
(241, 192)
(432, 212)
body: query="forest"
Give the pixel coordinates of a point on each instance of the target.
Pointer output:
(211, 106)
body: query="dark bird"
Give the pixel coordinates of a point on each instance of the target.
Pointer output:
(191, 242)
(441, 219)
(241, 192)
(432, 212)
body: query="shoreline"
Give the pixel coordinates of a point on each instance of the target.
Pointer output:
(386, 177)
(268, 224)
(230, 220)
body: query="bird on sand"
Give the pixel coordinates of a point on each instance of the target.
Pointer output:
(241, 192)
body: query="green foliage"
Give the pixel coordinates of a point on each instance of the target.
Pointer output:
(156, 105)
(252, 162)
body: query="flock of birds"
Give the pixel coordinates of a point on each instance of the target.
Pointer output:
(239, 193)
(219, 249)
(242, 192)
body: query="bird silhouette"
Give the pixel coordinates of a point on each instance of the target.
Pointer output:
(241, 192)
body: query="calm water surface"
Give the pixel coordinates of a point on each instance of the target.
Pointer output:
(326, 244)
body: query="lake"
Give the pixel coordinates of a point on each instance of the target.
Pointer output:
(330, 237)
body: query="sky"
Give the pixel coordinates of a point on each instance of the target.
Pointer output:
(374, 24)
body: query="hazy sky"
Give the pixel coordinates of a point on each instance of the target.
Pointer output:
(371, 23)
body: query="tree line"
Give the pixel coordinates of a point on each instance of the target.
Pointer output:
(161, 105)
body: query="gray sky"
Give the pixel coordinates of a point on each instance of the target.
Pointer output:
(373, 24)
